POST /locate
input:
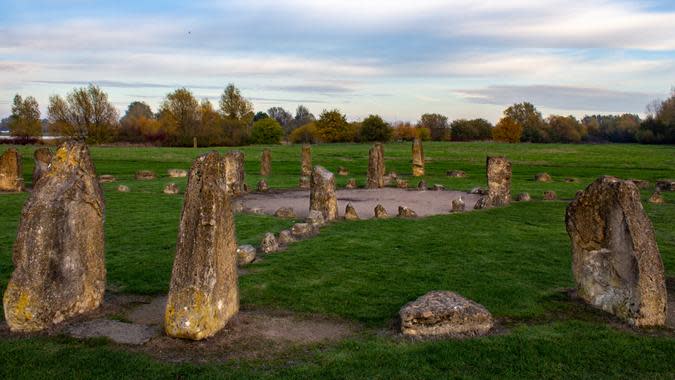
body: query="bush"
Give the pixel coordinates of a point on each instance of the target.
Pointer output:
(437, 126)
(470, 130)
(507, 130)
(332, 126)
(373, 128)
(305, 134)
(408, 132)
(266, 131)
(566, 129)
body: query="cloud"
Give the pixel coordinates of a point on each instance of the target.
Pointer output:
(561, 97)
(317, 88)
(122, 84)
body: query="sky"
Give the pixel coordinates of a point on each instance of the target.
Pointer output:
(398, 59)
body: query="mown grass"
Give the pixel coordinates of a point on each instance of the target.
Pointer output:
(514, 260)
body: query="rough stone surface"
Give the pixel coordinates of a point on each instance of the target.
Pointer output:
(523, 197)
(266, 162)
(269, 243)
(234, 173)
(438, 187)
(456, 173)
(656, 198)
(478, 190)
(285, 237)
(443, 313)
(118, 332)
(306, 165)
(263, 186)
(145, 175)
(422, 185)
(59, 266)
(106, 178)
(342, 171)
(542, 177)
(640, 183)
(42, 158)
(123, 189)
(177, 173)
(665, 185)
(245, 254)
(322, 195)
(615, 259)
(305, 182)
(550, 195)
(171, 189)
(285, 212)
(303, 230)
(11, 179)
(417, 158)
(350, 213)
(204, 294)
(315, 218)
(499, 183)
(351, 184)
(405, 212)
(457, 205)
(375, 167)
(381, 212)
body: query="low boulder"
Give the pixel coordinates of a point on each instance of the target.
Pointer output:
(145, 175)
(523, 197)
(350, 212)
(351, 184)
(263, 186)
(550, 195)
(457, 205)
(303, 230)
(381, 212)
(342, 171)
(542, 177)
(171, 189)
(123, 189)
(106, 178)
(406, 212)
(656, 198)
(285, 238)
(285, 213)
(177, 173)
(456, 173)
(269, 244)
(401, 183)
(245, 254)
(315, 218)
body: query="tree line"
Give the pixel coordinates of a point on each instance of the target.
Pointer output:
(87, 114)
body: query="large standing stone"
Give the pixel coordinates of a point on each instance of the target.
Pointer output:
(42, 158)
(376, 167)
(615, 259)
(203, 295)
(417, 158)
(322, 195)
(11, 171)
(234, 172)
(499, 183)
(266, 163)
(59, 268)
(306, 166)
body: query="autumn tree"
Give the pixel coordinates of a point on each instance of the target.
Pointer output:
(531, 120)
(210, 131)
(437, 124)
(302, 117)
(25, 118)
(305, 134)
(332, 126)
(566, 129)
(266, 131)
(233, 105)
(139, 124)
(471, 130)
(373, 128)
(179, 116)
(507, 130)
(85, 114)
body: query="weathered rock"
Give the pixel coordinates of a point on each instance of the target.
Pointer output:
(381, 212)
(342, 171)
(422, 185)
(42, 158)
(315, 218)
(542, 177)
(571, 180)
(550, 195)
(376, 167)
(118, 332)
(438, 187)
(269, 244)
(266, 163)
(351, 184)
(401, 183)
(11, 171)
(457, 205)
(350, 212)
(145, 175)
(456, 173)
(417, 158)
(204, 294)
(234, 173)
(405, 212)
(656, 198)
(285, 237)
(106, 178)
(59, 266)
(303, 230)
(641, 184)
(615, 259)
(305, 182)
(123, 189)
(176, 173)
(285, 212)
(443, 313)
(478, 191)
(499, 183)
(245, 254)
(322, 195)
(306, 166)
(665, 185)
(171, 189)
(263, 186)
(523, 197)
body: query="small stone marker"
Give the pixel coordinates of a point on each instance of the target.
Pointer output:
(263, 186)
(457, 205)
(656, 198)
(306, 165)
(405, 212)
(542, 177)
(11, 171)
(176, 173)
(381, 212)
(315, 218)
(499, 183)
(351, 184)
(615, 259)
(443, 313)
(303, 230)
(145, 175)
(401, 183)
(665, 185)
(204, 293)
(245, 254)
(285, 213)
(269, 244)
(42, 158)
(235, 175)
(266, 163)
(350, 212)
(376, 167)
(342, 171)
(550, 195)
(523, 197)
(59, 266)
(285, 238)
(322, 195)
(123, 189)
(417, 158)
(106, 178)
(171, 189)
(456, 173)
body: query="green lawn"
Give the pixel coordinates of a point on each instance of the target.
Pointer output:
(515, 261)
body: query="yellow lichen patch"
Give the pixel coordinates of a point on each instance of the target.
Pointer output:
(190, 314)
(19, 310)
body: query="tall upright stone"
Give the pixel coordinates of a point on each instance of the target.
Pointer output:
(498, 170)
(203, 294)
(615, 259)
(11, 171)
(306, 166)
(59, 265)
(322, 195)
(266, 163)
(42, 158)
(234, 172)
(376, 166)
(417, 158)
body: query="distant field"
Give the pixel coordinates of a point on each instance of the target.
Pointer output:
(514, 260)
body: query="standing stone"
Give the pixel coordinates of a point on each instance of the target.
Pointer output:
(306, 166)
(417, 158)
(263, 186)
(204, 295)
(376, 166)
(234, 172)
(59, 266)
(269, 243)
(457, 205)
(381, 212)
(615, 260)
(350, 212)
(499, 183)
(11, 171)
(266, 163)
(42, 158)
(322, 195)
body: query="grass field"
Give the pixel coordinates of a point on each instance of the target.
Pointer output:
(516, 261)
